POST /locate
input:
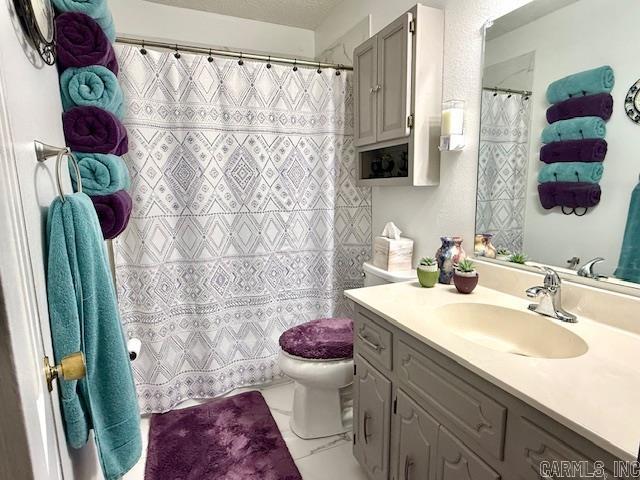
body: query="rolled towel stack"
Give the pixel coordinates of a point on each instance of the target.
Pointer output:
(101, 174)
(93, 105)
(96, 9)
(113, 212)
(80, 42)
(94, 86)
(574, 139)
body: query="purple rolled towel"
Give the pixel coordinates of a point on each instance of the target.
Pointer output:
(81, 43)
(569, 194)
(93, 130)
(600, 105)
(588, 150)
(113, 212)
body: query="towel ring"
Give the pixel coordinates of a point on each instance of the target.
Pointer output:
(45, 152)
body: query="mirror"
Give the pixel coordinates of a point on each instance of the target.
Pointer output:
(558, 156)
(36, 19)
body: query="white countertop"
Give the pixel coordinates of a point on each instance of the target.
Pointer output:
(596, 394)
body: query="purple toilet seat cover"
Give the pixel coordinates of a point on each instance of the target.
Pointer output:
(322, 339)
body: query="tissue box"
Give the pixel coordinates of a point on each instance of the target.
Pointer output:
(393, 255)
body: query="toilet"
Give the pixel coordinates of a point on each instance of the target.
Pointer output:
(318, 356)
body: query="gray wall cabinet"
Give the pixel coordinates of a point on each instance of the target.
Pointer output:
(418, 415)
(398, 98)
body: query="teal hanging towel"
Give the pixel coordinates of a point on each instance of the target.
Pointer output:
(629, 263)
(84, 317)
(570, 172)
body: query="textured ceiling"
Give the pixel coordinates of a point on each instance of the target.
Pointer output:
(296, 13)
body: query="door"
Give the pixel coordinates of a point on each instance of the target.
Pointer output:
(30, 109)
(365, 65)
(371, 416)
(457, 462)
(416, 434)
(394, 79)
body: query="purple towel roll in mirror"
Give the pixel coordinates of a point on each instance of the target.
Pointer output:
(569, 194)
(600, 105)
(93, 130)
(80, 42)
(588, 150)
(113, 212)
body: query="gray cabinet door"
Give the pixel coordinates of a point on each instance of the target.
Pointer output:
(365, 71)
(394, 79)
(457, 462)
(416, 434)
(372, 412)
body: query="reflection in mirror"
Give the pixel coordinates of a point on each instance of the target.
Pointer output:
(559, 156)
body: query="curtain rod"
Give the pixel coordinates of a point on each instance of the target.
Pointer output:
(508, 90)
(228, 53)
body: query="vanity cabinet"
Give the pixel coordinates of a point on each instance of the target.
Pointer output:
(397, 98)
(419, 415)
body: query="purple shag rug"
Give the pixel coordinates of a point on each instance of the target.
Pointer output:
(322, 339)
(234, 438)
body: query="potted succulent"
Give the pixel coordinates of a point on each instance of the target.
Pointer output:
(428, 272)
(503, 254)
(519, 258)
(465, 277)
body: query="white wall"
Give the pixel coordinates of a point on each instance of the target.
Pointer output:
(586, 34)
(426, 213)
(182, 25)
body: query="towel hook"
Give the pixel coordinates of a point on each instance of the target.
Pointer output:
(44, 152)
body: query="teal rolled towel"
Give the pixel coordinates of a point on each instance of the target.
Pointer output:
(101, 174)
(629, 263)
(571, 172)
(577, 128)
(94, 86)
(96, 9)
(589, 82)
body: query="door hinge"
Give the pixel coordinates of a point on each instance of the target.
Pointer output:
(410, 121)
(354, 368)
(412, 26)
(354, 438)
(395, 405)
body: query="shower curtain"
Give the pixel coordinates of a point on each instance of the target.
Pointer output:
(502, 169)
(246, 217)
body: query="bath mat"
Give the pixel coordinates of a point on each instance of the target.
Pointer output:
(234, 438)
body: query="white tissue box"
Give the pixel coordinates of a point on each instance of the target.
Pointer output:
(393, 255)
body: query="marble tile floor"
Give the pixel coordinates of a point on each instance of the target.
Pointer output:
(327, 458)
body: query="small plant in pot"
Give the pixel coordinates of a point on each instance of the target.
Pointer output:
(503, 254)
(465, 277)
(519, 258)
(428, 272)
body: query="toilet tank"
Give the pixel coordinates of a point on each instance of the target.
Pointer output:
(377, 276)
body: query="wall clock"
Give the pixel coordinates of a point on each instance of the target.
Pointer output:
(632, 103)
(36, 19)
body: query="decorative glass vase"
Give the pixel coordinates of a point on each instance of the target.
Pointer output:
(447, 256)
(483, 246)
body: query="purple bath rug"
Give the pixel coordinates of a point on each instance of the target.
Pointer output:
(233, 438)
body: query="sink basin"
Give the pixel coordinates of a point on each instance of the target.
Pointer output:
(511, 331)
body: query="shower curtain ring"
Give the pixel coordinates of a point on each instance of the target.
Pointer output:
(143, 50)
(210, 57)
(269, 62)
(177, 54)
(319, 69)
(295, 64)
(240, 62)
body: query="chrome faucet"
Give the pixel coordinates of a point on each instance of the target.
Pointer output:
(587, 269)
(550, 298)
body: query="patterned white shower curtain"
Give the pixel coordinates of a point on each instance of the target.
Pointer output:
(502, 168)
(246, 217)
